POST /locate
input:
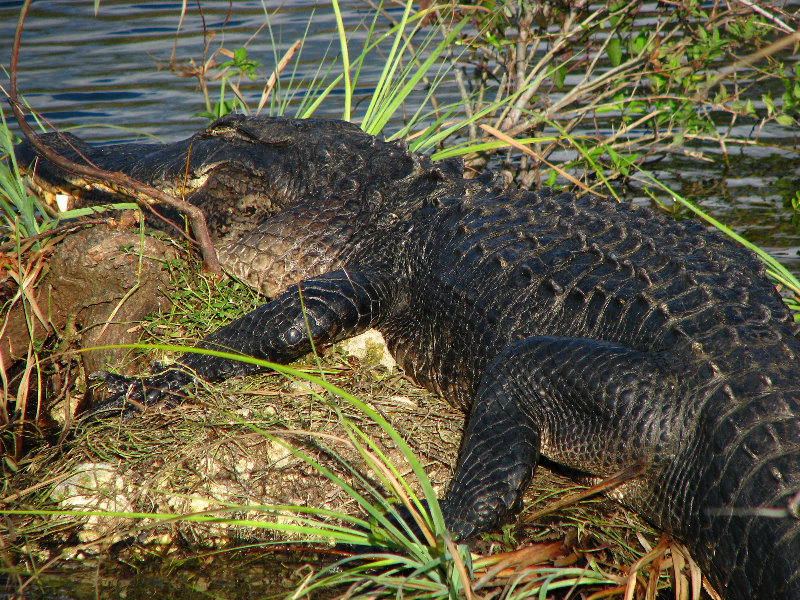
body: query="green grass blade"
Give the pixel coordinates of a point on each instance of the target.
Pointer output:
(389, 69)
(348, 89)
(312, 107)
(24, 214)
(385, 112)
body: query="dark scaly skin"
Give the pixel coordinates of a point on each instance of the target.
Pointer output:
(595, 334)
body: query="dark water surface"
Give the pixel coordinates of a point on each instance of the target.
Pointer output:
(100, 72)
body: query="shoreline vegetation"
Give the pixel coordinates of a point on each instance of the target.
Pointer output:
(278, 468)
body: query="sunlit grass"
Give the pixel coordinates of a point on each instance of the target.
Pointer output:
(21, 212)
(395, 557)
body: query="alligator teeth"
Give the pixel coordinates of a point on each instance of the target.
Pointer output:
(63, 201)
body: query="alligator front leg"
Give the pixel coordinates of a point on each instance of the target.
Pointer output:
(323, 309)
(499, 452)
(594, 407)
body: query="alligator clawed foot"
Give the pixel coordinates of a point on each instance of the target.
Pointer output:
(114, 395)
(127, 396)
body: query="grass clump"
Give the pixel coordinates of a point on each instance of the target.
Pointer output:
(22, 213)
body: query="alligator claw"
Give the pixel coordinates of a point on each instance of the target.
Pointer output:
(116, 395)
(128, 396)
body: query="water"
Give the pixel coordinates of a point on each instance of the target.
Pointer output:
(101, 72)
(98, 73)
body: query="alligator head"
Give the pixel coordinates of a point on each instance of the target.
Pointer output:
(282, 197)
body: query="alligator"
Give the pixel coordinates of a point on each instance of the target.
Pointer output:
(592, 335)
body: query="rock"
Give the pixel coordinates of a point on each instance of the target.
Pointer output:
(370, 348)
(98, 285)
(95, 487)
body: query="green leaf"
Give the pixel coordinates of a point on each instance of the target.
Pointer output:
(722, 95)
(560, 75)
(639, 43)
(767, 100)
(614, 51)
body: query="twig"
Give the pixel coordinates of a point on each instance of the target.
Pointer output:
(523, 148)
(273, 78)
(66, 228)
(766, 15)
(750, 59)
(143, 194)
(622, 476)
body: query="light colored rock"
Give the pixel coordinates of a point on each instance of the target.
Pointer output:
(301, 387)
(402, 400)
(95, 487)
(370, 348)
